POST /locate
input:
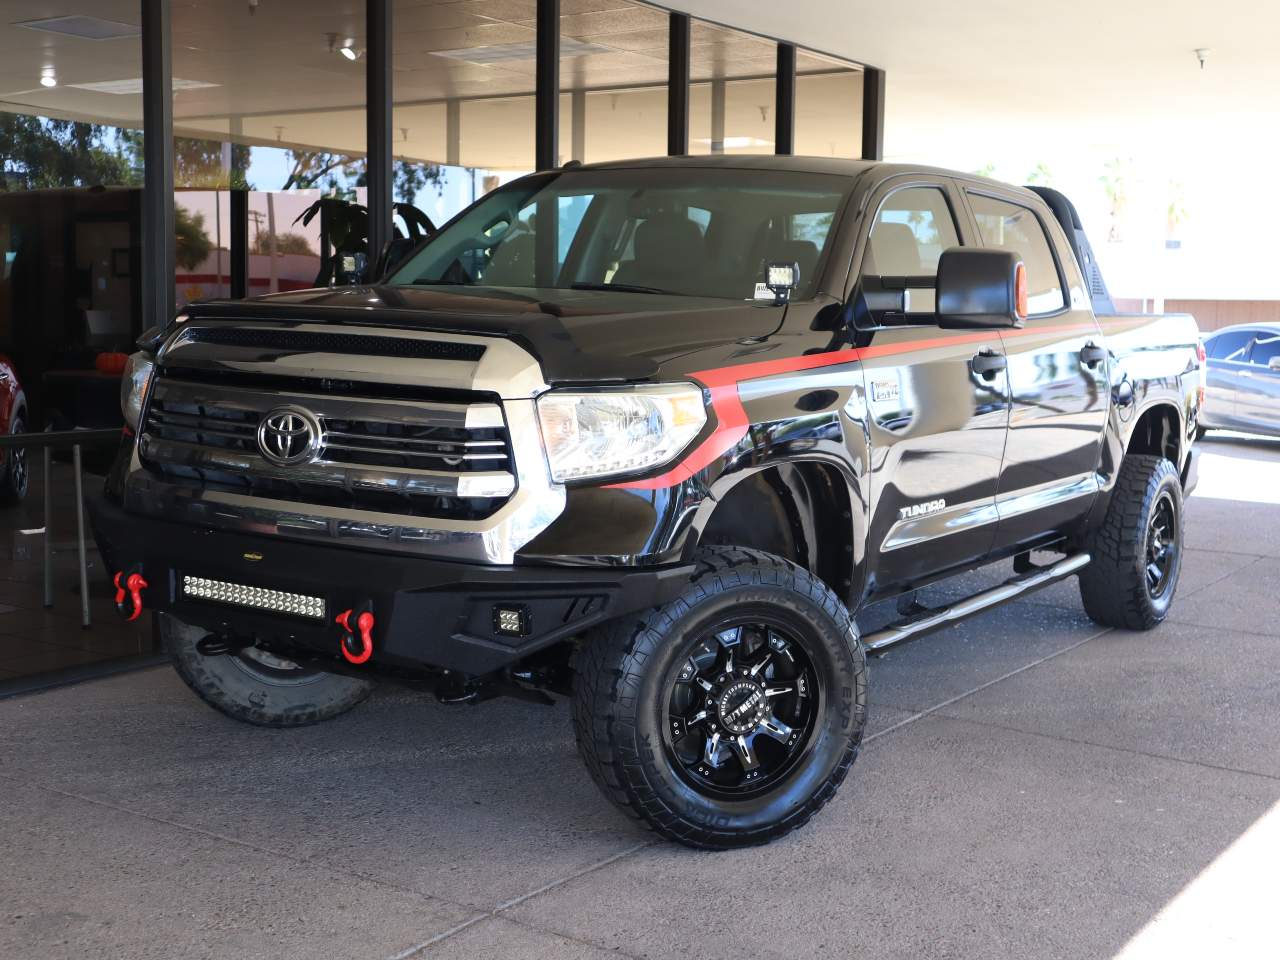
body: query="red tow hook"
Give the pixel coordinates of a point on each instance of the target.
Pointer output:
(132, 589)
(356, 650)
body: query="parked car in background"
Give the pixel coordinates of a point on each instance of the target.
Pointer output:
(1243, 387)
(14, 475)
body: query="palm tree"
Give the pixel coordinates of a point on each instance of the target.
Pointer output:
(1115, 183)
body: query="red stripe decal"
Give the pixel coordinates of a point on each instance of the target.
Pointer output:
(731, 416)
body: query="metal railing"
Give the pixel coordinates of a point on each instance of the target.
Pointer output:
(62, 440)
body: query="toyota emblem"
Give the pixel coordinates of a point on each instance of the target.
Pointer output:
(288, 435)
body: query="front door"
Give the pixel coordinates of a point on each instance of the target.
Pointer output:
(1258, 389)
(1057, 379)
(937, 400)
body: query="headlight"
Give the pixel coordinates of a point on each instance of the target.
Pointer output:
(133, 387)
(607, 432)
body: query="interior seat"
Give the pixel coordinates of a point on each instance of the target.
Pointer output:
(668, 254)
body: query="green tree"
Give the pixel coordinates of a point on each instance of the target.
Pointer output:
(285, 243)
(986, 170)
(1116, 184)
(1040, 176)
(410, 177)
(39, 153)
(191, 244)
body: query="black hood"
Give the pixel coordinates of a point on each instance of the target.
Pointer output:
(577, 336)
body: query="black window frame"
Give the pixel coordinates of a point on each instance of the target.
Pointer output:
(1054, 254)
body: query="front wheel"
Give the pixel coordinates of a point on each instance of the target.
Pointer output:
(254, 686)
(730, 715)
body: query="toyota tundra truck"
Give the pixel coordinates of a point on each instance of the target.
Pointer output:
(648, 435)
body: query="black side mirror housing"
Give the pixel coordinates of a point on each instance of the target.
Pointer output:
(980, 288)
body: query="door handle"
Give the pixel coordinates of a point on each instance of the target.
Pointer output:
(1092, 355)
(988, 363)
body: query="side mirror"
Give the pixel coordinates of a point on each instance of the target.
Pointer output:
(781, 279)
(1274, 364)
(980, 288)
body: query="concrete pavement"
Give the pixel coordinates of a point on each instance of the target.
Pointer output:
(1033, 786)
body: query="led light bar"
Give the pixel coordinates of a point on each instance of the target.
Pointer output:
(257, 598)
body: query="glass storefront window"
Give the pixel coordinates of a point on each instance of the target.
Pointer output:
(613, 71)
(70, 295)
(265, 102)
(828, 107)
(733, 93)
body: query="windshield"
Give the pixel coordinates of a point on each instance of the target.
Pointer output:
(693, 232)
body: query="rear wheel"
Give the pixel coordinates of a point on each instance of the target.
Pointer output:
(729, 716)
(1137, 552)
(257, 687)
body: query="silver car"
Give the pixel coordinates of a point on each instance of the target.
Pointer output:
(1243, 388)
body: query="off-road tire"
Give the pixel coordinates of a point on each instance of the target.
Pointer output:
(1114, 585)
(621, 675)
(242, 689)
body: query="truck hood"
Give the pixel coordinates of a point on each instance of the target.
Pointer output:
(577, 336)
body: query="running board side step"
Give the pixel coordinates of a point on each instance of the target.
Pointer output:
(929, 620)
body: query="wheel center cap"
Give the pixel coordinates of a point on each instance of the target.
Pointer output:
(742, 706)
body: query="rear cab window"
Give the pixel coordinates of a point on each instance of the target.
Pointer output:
(1010, 226)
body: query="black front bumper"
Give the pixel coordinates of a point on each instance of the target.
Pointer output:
(428, 613)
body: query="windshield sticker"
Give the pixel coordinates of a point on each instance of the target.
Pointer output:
(763, 292)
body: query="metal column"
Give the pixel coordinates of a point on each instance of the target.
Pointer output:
(872, 114)
(380, 170)
(157, 160)
(678, 85)
(547, 89)
(784, 113)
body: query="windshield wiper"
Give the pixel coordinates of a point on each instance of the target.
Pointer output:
(620, 287)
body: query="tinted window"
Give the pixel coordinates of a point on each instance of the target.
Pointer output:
(910, 232)
(1227, 346)
(1008, 226)
(1264, 348)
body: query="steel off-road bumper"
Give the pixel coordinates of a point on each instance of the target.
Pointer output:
(429, 613)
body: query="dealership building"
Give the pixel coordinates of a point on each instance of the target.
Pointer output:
(158, 152)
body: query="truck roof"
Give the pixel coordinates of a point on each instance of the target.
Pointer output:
(824, 165)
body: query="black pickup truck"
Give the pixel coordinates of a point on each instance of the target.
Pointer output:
(648, 434)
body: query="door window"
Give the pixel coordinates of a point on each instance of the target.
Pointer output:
(1232, 345)
(1265, 349)
(1008, 226)
(910, 232)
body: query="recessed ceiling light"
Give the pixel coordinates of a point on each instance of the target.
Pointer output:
(86, 28)
(134, 85)
(48, 80)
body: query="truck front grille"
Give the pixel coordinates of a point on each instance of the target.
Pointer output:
(418, 457)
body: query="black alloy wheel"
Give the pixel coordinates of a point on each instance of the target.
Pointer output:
(1162, 545)
(729, 715)
(741, 707)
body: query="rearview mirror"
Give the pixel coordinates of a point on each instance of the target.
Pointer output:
(980, 288)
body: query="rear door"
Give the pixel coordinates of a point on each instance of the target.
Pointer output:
(936, 426)
(1057, 376)
(1258, 393)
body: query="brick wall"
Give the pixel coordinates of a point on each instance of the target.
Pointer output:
(1214, 314)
